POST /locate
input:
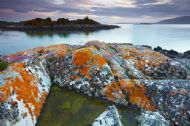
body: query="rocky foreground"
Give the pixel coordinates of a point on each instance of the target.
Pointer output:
(124, 74)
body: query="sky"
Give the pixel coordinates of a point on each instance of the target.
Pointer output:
(104, 11)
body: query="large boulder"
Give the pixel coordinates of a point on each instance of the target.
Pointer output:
(124, 74)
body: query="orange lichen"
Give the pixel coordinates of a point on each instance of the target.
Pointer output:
(97, 59)
(77, 77)
(112, 89)
(136, 94)
(82, 57)
(26, 89)
(17, 66)
(123, 83)
(143, 58)
(59, 50)
(85, 71)
(6, 92)
(140, 63)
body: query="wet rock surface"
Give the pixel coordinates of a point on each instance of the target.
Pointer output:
(123, 74)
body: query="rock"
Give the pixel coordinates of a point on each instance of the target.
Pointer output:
(110, 117)
(147, 46)
(186, 63)
(84, 70)
(172, 53)
(186, 54)
(148, 118)
(24, 87)
(123, 74)
(158, 49)
(172, 99)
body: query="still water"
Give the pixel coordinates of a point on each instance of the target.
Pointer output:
(175, 37)
(68, 108)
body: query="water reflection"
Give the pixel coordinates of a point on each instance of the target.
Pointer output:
(67, 108)
(50, 34)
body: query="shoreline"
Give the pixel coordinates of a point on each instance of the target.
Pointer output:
(69, 27)
(167, 52)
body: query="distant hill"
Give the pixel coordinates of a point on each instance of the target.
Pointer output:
(177, 20)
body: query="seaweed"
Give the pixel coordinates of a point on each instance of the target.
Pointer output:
(3, 65)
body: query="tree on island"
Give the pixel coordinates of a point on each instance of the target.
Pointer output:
(48, 21)
(60, 21)
(86, 20)
(39, 22)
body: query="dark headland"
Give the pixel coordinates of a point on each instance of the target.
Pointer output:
(61, 24)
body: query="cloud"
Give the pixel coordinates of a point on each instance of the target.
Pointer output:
(42, 14)
(109, 3)
(58, 2)
(159, 2)
(103, 10)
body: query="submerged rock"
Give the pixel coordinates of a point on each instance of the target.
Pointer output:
(125, 74)
(110, 117)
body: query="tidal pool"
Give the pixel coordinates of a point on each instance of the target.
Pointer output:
(67, 108)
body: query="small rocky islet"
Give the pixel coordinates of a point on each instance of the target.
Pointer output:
(153, 81)
(61, 24)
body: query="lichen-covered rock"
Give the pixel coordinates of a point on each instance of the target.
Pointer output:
(186, 63)
(172, 98)
(86, 71)
(125, 74)
(23, 90)
(148, 118)
(182, 58)
(110, 117)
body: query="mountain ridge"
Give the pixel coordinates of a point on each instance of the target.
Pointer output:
(176, 20)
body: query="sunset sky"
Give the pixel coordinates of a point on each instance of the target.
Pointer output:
(104, 11)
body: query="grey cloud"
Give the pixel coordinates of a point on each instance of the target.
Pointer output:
(175, 8)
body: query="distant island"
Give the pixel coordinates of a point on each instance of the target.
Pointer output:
(85, 24)
(177, 20)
